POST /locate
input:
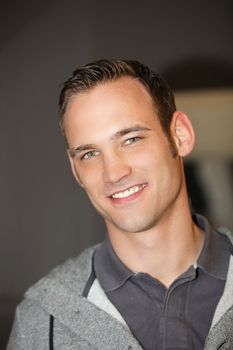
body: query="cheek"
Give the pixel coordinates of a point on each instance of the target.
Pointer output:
(150, 158)
(159, 165)
(89, 176)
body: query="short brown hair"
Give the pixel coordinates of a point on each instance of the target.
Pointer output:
(95, 73)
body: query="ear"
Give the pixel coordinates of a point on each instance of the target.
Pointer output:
(73, 169)
(183, 133)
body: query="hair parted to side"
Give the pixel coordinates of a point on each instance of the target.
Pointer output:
(95, 73)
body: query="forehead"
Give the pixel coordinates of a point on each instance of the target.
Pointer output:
(110, 105)
(125, 89)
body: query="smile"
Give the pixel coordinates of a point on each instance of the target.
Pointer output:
(128, 192)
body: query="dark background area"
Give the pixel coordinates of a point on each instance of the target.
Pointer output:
(45, 216)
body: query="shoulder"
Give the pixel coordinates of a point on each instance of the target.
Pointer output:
(49, 295)
(223, 231)
(65, 279)
(73, 274)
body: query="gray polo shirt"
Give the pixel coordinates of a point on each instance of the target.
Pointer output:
(178, 317)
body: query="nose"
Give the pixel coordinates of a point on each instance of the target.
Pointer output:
(115, 168)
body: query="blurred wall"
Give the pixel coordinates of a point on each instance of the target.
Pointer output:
(45, 216)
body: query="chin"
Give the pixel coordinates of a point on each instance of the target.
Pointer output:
(134, 226)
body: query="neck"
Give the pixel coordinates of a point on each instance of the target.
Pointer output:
(164, 251)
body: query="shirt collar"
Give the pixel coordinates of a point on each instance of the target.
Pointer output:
(109, 269)
(215, 254)
(213, 259)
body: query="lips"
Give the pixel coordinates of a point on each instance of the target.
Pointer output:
(129, 193)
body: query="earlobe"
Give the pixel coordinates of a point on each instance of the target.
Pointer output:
(73, 169)
(183, 133)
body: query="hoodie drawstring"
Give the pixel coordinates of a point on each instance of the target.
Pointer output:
(51, 327)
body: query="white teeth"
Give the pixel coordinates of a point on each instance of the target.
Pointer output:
(128, 192)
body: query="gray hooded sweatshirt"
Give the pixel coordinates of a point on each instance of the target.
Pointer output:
(56, 313)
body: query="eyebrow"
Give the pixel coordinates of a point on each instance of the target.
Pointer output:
(126, 131)
(75, 150)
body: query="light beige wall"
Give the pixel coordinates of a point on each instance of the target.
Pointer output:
(211, 112)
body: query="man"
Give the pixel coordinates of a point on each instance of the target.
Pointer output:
(162, 279)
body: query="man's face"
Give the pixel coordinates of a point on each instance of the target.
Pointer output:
(121, 156)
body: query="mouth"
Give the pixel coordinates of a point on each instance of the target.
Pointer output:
(129, 193)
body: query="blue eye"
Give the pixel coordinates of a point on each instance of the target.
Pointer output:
(132, 140)
(90, 154)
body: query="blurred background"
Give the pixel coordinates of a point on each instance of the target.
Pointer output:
(44, 216)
